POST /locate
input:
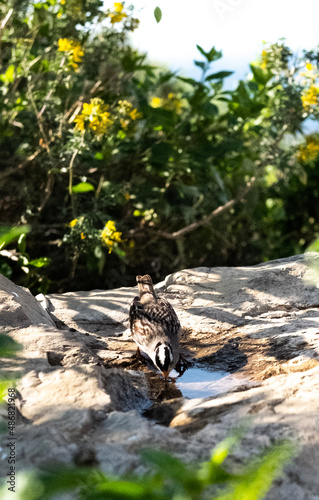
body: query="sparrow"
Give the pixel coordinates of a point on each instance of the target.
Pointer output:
(155, 327)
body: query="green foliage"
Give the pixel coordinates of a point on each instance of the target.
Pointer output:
(172, 478)
(157, 14)
(9, 234)
(8, 347)
(90, 131)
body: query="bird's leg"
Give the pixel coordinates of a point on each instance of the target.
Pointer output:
(137, 354)
(183, 364)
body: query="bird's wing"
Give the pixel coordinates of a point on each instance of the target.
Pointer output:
(144, 329)
(167, 315)
(151, 321)
(134, 310)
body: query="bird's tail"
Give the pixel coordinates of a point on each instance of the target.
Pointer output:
(145, 285)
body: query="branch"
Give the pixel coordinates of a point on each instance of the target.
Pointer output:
(222, 208)
(207, 218)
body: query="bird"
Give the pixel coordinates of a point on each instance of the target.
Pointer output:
(155, 327)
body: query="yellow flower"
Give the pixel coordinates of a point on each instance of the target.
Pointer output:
(309, 151)
(309, 66)
(310, 97)
(264, 59)
(134, 114)
(80, 122)
(75, 51)
(124, 123)
(127, 113)
(73, 223)
(117, 15)
(109, 235)
(64, 45)
(118, 7)
(62, 2)
(96, 116)
(82, 236)
(156, 102)
(173, 103)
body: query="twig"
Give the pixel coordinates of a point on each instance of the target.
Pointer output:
(222, 208)
(71, 171)
(39, 119)
(207, 218)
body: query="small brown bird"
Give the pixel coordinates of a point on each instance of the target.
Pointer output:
(155, 327)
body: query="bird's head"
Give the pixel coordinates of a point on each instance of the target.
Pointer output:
(163, 358)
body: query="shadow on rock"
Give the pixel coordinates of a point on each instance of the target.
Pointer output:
(229, 358)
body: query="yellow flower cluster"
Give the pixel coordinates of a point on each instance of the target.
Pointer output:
(109, 235)
(117, 15)
(95, 116)
(127, 113)
(264, 59)
(309, 151)
(74, 222)
(311, 72)
(74, 49)
(171, 102)
(310, 97)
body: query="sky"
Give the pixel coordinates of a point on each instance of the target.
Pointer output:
(237, 27)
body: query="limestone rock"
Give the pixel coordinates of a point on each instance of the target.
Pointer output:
(19, 308)
(83, 400)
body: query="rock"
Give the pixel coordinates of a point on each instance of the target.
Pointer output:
(83, 397)
(19, 308)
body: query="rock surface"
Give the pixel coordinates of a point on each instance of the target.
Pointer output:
(82, 399)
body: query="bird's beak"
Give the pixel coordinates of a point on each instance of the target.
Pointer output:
(165, 374)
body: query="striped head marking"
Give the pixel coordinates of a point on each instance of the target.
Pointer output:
(164, 358)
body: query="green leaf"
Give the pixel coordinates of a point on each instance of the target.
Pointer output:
(5, 269)
(190, 81)
(83, 187)
(9, 74)
(8, 346)
(22, 243)
(168, 465)
(201, 64)
(9, 234)
(122, 490)
(214, 55)
(157, 14)
(41, 262)
(260, 76)
(219, 75)
(259, 476)
(314, 246)
(202, 51)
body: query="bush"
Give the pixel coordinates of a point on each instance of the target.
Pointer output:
(120, 167)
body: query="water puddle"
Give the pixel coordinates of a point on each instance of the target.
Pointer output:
(196, 382)
(200, 383)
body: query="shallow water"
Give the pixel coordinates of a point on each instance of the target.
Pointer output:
(200, 383)
(195, 383)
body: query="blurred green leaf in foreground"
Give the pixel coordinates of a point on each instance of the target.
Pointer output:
(169, 478)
